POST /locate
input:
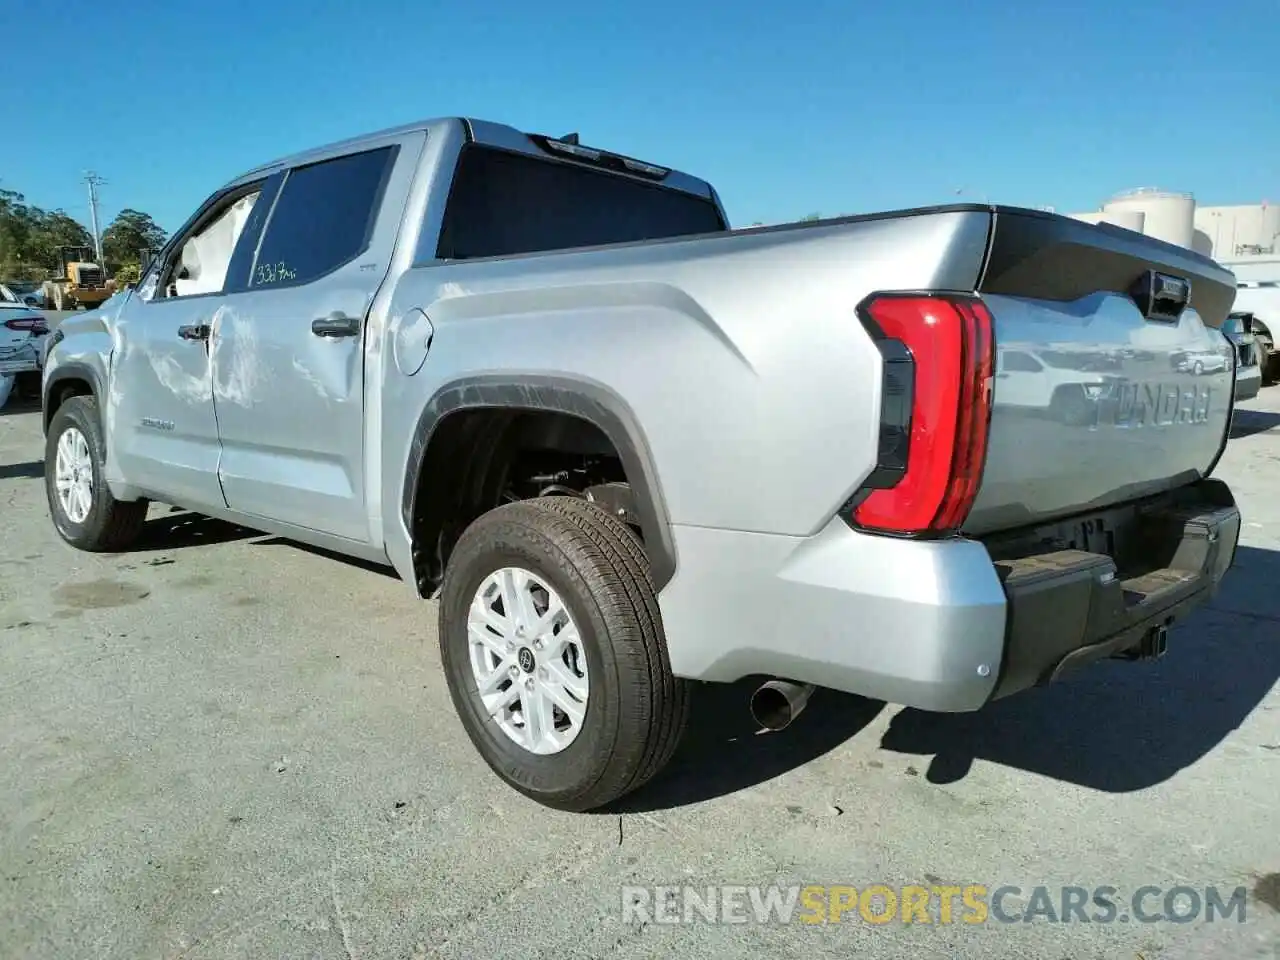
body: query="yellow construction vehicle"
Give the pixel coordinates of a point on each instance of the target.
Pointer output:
(82, 282)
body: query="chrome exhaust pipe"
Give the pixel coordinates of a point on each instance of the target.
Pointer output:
(776, 703)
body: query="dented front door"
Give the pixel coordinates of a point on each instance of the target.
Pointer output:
(288, 361)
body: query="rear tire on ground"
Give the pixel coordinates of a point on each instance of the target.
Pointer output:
(84, 512)
(634, 711)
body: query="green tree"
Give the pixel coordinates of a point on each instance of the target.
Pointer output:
(15, 229)
(51, 231)
(30, 237)
(131, 234)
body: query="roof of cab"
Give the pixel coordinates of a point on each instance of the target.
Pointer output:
(303, 156)
(485, 131)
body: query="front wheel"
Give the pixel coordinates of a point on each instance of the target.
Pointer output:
(84, 512)
(554, 652)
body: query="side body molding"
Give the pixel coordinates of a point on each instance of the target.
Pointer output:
(584, 399)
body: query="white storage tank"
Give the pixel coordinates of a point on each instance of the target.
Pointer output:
(1129, 219)
(1166, 216)
(1270, 232)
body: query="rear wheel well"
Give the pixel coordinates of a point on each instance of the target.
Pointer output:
(478, 459)
(61, 392)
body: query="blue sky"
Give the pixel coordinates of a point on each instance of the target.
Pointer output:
(789, 108)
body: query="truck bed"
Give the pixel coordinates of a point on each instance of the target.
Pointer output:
(752, 337)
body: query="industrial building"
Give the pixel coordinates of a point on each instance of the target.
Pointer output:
(1245, 238)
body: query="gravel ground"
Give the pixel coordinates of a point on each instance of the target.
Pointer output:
(225, 745)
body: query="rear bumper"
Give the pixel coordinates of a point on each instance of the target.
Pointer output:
(933, 625)
(24, 358)
(1248, 382)
(1070, 607)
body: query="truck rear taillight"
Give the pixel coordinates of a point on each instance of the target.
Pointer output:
(937, 353)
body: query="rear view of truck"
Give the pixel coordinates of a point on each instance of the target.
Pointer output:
(1067, 415)
(1033, 488)
(931, 457)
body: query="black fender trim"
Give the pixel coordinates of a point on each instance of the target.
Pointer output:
(584, 399)
(71, 370)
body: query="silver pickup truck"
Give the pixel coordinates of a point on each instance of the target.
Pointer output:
(932, 457)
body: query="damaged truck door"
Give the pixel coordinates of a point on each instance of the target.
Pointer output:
(164, 428)
(289, 379)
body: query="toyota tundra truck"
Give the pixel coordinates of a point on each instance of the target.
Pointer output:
(628, 449)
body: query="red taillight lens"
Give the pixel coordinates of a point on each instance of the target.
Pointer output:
(950, 340)
(28, 324)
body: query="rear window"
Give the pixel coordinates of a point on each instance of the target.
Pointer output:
(505, 203)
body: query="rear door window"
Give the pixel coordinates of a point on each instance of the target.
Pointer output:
(323, 219)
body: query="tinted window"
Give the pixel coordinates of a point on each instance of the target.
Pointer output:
(508, 203)
(323, 218)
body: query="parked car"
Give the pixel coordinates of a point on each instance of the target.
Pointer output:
(29, 292)
(1238, 328)
(22, 336)
(628, 448)
(1197, 362)
(1260, 301)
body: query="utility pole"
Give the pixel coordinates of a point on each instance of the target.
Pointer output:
(94, 181)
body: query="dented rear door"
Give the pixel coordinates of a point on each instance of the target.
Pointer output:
(288, 361)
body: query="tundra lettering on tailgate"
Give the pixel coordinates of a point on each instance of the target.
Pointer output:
(1160, 404)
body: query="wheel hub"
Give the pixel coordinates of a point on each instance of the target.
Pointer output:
(528, 660)
(73, 475)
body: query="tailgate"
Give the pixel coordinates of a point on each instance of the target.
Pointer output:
(1106, 389)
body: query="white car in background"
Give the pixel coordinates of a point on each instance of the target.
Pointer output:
(23, 331)
(1064, 384)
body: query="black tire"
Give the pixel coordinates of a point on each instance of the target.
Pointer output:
(636, 710)
(1269, 362)
(111, 524)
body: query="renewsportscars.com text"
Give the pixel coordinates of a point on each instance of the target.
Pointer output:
(971, 904)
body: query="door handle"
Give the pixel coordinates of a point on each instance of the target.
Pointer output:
(194, 331)
(336, 324)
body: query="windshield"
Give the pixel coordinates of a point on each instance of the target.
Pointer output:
(506, 203)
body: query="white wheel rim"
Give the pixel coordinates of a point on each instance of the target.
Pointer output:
(73, 475)
(528, 660)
